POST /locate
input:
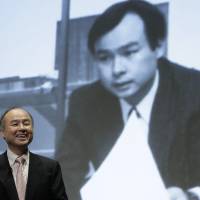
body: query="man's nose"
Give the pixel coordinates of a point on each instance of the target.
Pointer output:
(21, 126)
(118, 67)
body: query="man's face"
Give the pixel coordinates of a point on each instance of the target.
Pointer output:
(17, 129)
(124, 58)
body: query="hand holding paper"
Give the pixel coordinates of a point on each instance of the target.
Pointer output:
(129, 172)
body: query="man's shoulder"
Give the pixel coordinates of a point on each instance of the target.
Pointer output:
(178, 72)
(3, 156)
(90, 93)
(42, 159)
(89, 89)
(4, 166)
(91, 99)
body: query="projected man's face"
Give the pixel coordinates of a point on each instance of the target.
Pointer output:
(126, 62)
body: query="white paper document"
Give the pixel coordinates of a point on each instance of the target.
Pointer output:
(129, 172)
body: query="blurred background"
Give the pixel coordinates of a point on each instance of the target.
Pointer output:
(44, 56)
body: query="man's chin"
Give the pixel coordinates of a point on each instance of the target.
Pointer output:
(24, 142)
(125, 94)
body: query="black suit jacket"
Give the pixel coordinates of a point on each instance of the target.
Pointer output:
(95, 122)
(44, 180)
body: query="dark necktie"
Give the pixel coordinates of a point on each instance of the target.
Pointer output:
(136, 112)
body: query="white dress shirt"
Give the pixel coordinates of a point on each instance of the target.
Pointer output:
(144, 107)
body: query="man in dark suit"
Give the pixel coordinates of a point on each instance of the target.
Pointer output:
(127, 42)
(34, 177)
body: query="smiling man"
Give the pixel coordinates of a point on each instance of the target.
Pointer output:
(127, 42)
(24, 175)
(17, 130)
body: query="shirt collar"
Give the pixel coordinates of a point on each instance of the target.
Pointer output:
(12, 157)
(144, 107)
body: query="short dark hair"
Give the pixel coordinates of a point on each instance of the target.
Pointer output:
(7, 111)
(154, 21)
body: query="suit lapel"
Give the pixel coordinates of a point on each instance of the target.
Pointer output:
(7, 177)
(34, 177)
(112, 125)
(163, 119)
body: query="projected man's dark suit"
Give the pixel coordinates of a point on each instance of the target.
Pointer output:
(95, 122)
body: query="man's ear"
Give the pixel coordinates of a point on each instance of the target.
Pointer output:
(1, 134)
(161, 49)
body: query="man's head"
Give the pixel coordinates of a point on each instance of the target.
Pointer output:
(153, 19)
(126, 41)
(16, 126)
